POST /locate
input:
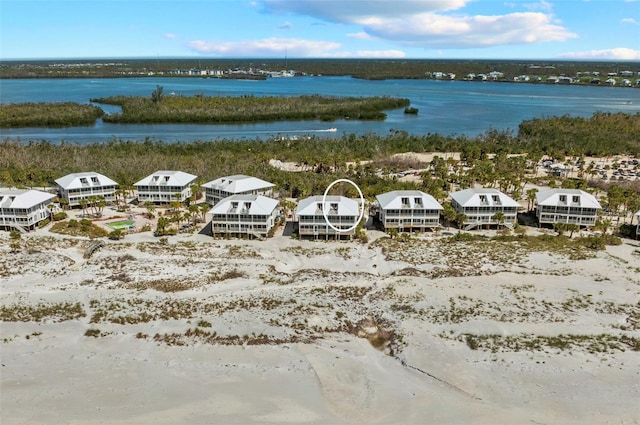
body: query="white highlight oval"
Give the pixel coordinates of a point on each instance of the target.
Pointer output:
(324, 210)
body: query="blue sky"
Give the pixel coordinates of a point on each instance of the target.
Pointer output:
(420, 29)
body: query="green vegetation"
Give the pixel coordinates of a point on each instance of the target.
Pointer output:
(83, 227)
(371, 69)
(64, 114)
(57, 312)
(214, 110)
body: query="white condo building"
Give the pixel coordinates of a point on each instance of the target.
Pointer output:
(165, 187)
(244, 215)
(342, 213)
(571, 206)
(481, 204)
(218, 189)
(23, 209)
(77, 186)
(407, 210)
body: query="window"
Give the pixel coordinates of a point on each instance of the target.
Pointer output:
(495, 199)
(94, 180)
(563, 198)
(576, 199)
(334, 207)
(405, 201)
(417, 201)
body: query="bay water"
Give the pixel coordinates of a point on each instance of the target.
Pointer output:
(445, 107)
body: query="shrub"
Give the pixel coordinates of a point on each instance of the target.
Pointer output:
(43, 223)
(59, 216)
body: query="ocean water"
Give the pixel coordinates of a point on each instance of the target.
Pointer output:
(445, 107)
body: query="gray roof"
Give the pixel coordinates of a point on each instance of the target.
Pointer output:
(238, 184)
(471, 198)
(393, 200)
(74, 180)
(552, 197)
(167, 178)
(256, 205)
(346, 206)
(23, 198)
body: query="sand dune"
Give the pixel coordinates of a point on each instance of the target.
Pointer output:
(284, 331)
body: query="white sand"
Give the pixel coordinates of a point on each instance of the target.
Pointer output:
(318, 372)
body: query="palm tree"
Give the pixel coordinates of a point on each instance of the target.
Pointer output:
(531, 198)
(460, 219)
(499, 218)
(449, 213)
(83, 204)
(204, 209)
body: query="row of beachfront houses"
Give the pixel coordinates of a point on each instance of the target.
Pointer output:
(243, 205)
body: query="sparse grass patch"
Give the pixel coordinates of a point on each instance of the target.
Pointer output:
(57, 312)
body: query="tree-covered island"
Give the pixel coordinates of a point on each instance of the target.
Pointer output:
(198, 109)
(201, 109)
(46, 114)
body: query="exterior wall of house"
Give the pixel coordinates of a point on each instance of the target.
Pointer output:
(24, 217)
(409, 219)
(484, 214)
(163, 194)
(73, 196)
(214, 195)
(317, 227)
(551, 214)
(240, 223)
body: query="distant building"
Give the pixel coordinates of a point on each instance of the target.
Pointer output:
(341, 212)
(244, 215)
(481, 205)
(165, 187)
(23, 209)
(407, 210)
(218, 189)
(571, 206)
(77, 186)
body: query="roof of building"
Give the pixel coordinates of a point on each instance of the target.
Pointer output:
(238, 184)
(552, 197)
(23, 198)
(472, 198)
(167, 178)
(346, 206)
(85, 179)
(247, 204)
(393, 200)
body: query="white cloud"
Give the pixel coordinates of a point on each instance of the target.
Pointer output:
(628, 21)
(434, 30)
(619, 53)
(169, 35)
(542, 6)
(345, 11)
(285, 25)
(267, 47)
(360, 35)
(422, 23)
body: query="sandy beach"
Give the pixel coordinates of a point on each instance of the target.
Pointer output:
(200, 331)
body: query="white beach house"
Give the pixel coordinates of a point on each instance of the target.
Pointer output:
(407, 210)
(244, 215)
(480, 205)
(220, 188)
(23, 209)
(165, 187)
(341, 212)
(572, 206)
(77, 186)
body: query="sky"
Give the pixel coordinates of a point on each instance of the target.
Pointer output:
(390, 29)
